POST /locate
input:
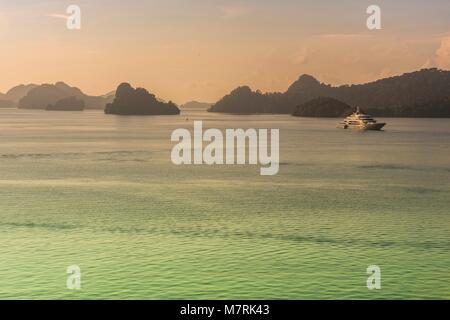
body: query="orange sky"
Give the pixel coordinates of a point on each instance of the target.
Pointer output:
(200, 50)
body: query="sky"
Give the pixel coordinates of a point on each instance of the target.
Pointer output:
(184, 50)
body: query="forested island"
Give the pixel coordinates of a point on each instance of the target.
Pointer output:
(323, 107)
(67, 104)
(331, 108)
(131, 101)
(40, 97)
(423, 93)
(11, 98)
(196, 105)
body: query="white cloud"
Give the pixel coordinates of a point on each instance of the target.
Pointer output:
(58, 16)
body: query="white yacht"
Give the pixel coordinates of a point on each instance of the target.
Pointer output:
(360, 121)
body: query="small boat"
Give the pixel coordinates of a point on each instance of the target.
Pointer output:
(360, 121)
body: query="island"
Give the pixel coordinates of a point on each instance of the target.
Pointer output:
(196, 105)
(67, 104)
(423, 93)
(131, 101)
(40, 97)
(323, 107)
(18, 92)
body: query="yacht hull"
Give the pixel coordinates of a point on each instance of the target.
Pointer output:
(369, 126)
(375, 126)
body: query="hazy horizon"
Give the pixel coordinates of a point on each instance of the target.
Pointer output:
(183, 50)
(195, 100)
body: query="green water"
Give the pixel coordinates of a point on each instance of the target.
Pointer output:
(101, 192)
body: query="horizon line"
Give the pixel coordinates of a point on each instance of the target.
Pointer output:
(243, 85)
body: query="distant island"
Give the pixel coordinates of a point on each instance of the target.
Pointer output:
(196, 105)
(67, 104)
(40, 97)
(13, 96)
(423, 93)
(131, 101)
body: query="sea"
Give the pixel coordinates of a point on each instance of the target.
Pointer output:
(100, 192)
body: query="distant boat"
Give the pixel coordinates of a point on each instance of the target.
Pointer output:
(361, 121)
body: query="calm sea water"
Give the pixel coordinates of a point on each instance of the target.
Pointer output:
(101, 192)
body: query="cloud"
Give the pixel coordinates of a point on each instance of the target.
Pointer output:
(443, 54)
(359, 58)
(300, 57)
(343, 36)
(58, 16)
